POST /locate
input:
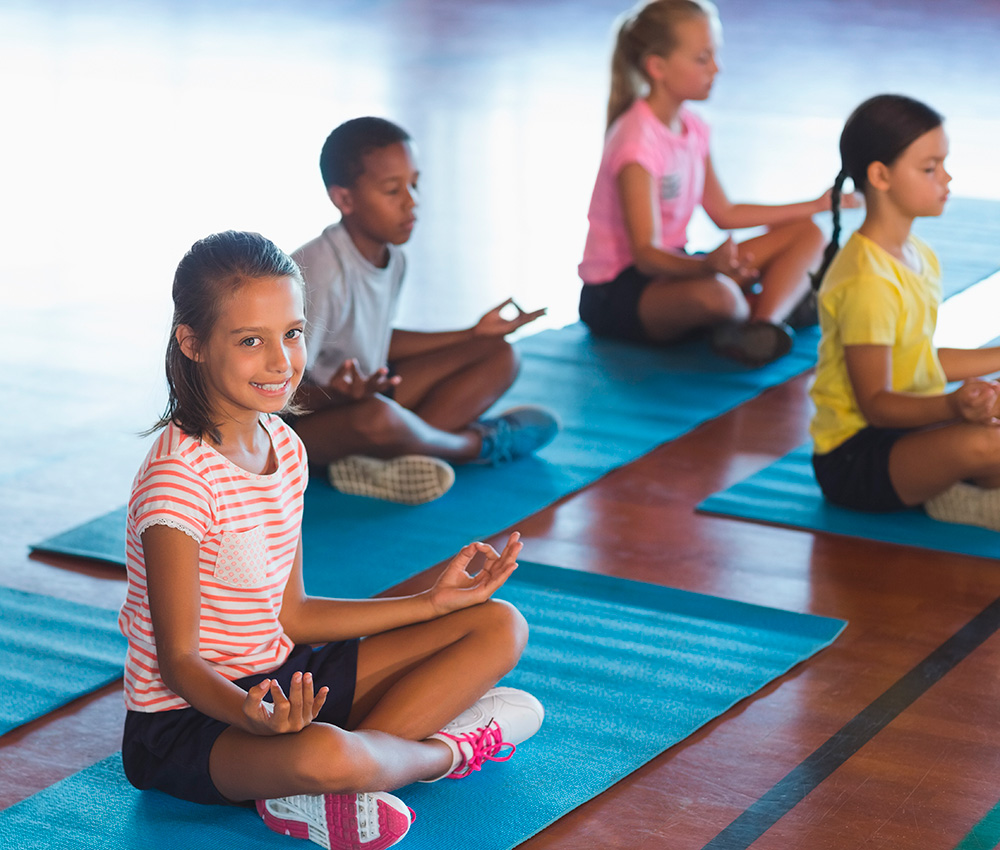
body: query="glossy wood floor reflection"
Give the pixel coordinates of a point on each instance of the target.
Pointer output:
(170, 141)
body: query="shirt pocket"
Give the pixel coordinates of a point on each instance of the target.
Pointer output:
(242, 559)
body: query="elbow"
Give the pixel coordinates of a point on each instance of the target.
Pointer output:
(875, 420)
(176, 669)
(877, 416)
(172, 669)
(643, 258)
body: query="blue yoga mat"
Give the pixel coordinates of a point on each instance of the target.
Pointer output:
(786, 493)
(52, 651)
(616, 402)
(624, 669)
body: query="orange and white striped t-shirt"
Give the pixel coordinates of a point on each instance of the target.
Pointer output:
(247, 527)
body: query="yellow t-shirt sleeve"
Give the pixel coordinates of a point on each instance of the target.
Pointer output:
(871, 318)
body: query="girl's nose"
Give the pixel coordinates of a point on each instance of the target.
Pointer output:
(279, 359)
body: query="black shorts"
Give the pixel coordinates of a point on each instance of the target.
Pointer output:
(169, 750)
(612, 309)
(856, 474)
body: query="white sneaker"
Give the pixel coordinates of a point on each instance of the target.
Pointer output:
(409, 479)
(371, 821)
(501, 718)
(966, 504)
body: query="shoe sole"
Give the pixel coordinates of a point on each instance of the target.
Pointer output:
(755, 344)
(406, 480)
(341, 817)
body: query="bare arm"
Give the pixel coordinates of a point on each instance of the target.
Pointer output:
(729, 216)
(492, 324)
(405, 344)
(962, 363)
(869, 368)
(171, 558)
(311, 619)
(642, 218)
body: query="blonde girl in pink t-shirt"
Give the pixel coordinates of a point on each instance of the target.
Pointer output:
(243, 689)
(639, 282)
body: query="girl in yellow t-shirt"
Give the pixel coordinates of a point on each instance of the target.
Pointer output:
(886, 433)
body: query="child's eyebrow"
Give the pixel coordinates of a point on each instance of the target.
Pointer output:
(399, 178)
(259, 330)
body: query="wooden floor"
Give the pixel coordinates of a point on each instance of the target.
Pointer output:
(136, 129)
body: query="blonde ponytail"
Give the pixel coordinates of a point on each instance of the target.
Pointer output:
(648, 30)
(624, 71)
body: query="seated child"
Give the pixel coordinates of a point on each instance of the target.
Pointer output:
(241, 688)
(887, 433)
(640, 282)
(387, 409)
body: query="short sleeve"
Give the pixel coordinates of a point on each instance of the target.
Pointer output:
(172, 494)
(632, 146)
(868, 310)
(319, 266)
(699, 131)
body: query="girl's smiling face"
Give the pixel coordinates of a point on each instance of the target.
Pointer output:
(917, 183)
(254, 357)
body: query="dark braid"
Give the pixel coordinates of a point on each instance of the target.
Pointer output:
(834, 244)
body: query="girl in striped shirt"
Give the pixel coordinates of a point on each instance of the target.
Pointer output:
(241, 688)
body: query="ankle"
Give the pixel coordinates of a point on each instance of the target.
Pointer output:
(446, 757)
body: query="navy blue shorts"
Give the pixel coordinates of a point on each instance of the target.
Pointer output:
(856, 474)
(612, 309)
(169, 750)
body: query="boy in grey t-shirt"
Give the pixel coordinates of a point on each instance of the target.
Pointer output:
(388, 408)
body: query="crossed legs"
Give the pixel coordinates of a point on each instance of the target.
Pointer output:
(924, 463)
(410, 683)
(440, 394)
(669, 309)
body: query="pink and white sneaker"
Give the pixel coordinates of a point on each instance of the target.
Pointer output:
(371, 821)
(490, 730)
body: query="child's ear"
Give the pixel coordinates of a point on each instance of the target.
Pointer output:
(342, 199)
(878, 175)
(652, 67)
(187, 342)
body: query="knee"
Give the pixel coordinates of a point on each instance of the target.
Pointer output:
(336, 761)
(723, 301)
(506, 629)
(983, 449)
(810, 234)
(502, 358)
(376, 421)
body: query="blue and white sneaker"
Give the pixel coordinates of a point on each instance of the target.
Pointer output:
(515, 433)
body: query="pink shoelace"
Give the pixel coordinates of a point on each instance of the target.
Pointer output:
(485, 745)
